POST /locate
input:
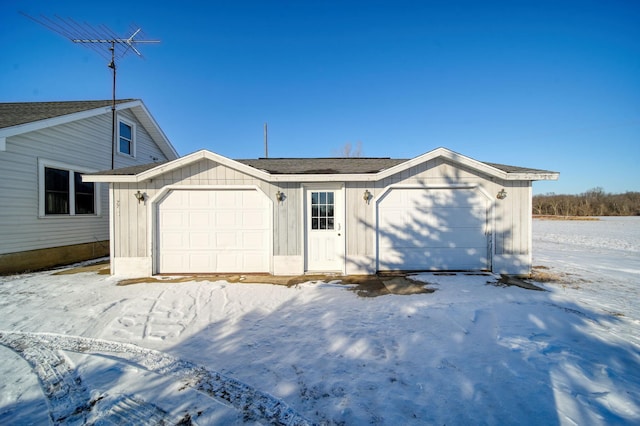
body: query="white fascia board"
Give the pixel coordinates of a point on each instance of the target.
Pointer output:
(50, 122)
(447, 154)
(534, 176)
(109, 178)
(3, 143)
(198, 155)
(155, 131)
(127, 105)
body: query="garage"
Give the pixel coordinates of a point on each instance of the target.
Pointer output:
(433, 229)
(213, 231)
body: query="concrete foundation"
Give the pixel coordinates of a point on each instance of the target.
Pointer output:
(35, 260)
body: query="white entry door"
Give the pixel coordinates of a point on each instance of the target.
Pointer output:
(324, 210)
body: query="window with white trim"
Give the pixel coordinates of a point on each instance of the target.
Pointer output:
(126, 138)
(63, 193)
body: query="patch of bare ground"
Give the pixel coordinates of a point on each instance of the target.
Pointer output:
(362, 285)
(101, 268)
(543, 274)
(553, 217)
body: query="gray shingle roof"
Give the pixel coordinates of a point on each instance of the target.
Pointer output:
(292, 166)
(15, 113)
(516, 169)
(129, 171)
(357, 165)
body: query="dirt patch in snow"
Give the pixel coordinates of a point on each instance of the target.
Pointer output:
(362, 285)
(551, 217)
(101, 268)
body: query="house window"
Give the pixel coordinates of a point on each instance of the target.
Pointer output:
(62, 191)
(322, 207)
(56, 191)
(126, 138)
(85, 195)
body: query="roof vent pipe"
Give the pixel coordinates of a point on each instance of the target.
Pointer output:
(266, 142)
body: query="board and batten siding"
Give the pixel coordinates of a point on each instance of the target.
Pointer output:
(509, 221)
(83, 145)
(134, 219)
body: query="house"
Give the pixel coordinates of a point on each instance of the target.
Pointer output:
(48, 216)
(204, 213)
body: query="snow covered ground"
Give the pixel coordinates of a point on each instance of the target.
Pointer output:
(78, 349)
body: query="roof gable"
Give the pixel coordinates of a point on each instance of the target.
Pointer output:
(322, 169)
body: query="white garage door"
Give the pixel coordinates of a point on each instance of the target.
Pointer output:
(203, 231)
(433, 229)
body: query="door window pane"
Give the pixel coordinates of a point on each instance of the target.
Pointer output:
(322, 210)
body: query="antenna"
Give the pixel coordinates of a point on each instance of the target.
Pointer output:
(104, 42)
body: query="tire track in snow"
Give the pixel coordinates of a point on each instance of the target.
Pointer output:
(254, 404)
(69, 400)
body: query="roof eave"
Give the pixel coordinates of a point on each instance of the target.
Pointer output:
(153, 128)
(110, 178)
(533, 176)
(49, 122)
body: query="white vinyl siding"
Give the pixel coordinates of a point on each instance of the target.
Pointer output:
(88, 143)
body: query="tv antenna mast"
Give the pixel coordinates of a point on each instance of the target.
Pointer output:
(103, 41)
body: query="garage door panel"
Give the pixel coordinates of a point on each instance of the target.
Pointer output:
(432, 229)
(226, 240)
(254, 240)
(254, 219)
(197, 199)
(199, 218)
(213, 231)
(173, 218)
(199, 240)
(173, 240)
(471, 238)
(225, 218)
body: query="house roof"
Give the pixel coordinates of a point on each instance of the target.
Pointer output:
(321, 169)
(15, 113)
(21, 117)
(321, 166)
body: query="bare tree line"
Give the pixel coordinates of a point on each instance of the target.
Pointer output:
(594, 202)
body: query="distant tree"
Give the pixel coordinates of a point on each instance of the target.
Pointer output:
(348, 150)
(594, 202)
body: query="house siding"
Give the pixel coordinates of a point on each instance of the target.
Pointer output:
(84, 144)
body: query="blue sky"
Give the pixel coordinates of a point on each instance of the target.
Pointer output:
(550, 85)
